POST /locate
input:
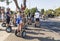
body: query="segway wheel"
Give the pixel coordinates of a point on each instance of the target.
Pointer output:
(8, 29)
(23, 34)
(3, 24)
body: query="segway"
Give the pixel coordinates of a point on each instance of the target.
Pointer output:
(9, 29)
(21, 33)
(3, 24)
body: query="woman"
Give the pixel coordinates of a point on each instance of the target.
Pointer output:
(19, 21)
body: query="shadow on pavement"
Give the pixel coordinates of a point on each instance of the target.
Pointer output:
(55, 26)
(40, 38)
(2, 30)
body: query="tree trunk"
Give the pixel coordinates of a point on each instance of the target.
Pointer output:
(24, 2)
(16, 3)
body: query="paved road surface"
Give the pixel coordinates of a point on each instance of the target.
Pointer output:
(49, 31)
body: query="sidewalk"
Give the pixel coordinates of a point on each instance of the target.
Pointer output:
(36, 34)
(32, 34)
(3, 33)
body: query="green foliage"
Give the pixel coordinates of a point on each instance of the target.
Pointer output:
(57, 11)
(42, 11)
(26, 11)
(7, 1)
(33, 10)
(12, 12)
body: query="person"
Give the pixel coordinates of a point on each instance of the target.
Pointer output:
(3, 15)
(37, 16)
(19, 21)
(32, 18)
(8, 17)
(14, 20)
(24, 18)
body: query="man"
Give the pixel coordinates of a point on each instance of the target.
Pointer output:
(8, 17)
(37, 16)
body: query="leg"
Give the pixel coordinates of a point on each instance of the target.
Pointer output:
(8, 21)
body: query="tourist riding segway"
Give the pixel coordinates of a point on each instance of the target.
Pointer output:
(37, 19)
(8, 19)
(21, 26)
(3, 17)
(14, 21)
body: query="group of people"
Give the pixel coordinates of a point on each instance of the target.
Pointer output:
(19, 18)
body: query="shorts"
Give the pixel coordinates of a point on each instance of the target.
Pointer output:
(37, 19)
(8, 20)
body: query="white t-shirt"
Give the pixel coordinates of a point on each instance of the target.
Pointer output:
(37, 15)
(2, 16)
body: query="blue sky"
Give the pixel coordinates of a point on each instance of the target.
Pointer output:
(46, 4)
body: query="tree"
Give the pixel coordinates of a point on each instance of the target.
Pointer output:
(49, 11)
(33, 10)
(42, 11)
(26, 11)
(57, 11)
(2, 0)
(16, 3)
(7, 1)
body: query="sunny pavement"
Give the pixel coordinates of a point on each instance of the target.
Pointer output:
(32, 34)
(36, 34)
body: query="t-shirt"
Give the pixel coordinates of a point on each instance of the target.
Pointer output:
(7, 14)
(37, 15)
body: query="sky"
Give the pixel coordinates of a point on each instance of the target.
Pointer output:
(40, 4)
